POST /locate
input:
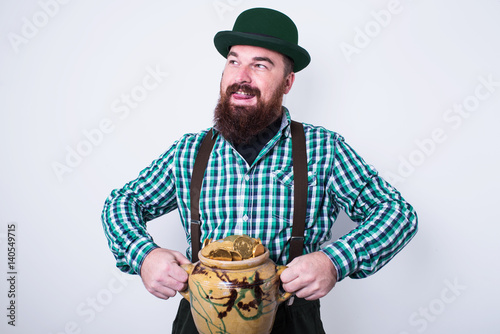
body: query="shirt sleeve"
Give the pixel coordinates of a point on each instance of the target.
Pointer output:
(127, 210)
(386, 221)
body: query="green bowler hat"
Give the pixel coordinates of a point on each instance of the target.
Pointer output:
(266, 28)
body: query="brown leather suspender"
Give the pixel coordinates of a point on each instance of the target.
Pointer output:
(200, 165)
(299, 156)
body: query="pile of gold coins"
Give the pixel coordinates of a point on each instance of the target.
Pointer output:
(232, 248)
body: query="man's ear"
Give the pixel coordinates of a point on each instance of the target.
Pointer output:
(290, 78)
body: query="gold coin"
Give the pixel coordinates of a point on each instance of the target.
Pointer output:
(206, 242)
(225, 244)
(244, 246)
(231, 238)
(233, 248)
(258, 250)
(221, 254)
(236, 256)
(205, 251)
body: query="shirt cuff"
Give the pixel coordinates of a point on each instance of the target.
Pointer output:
(343, 258)
(137, 252)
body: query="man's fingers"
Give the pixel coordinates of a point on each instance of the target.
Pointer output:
(181, 259)
(163, 293)
(178, 274)
(296, 284)
(160, 294)
(288, 275)
(161, 273)
(172, 282)
(309, 276)
(166, 287)
(309, 291)
(290, 280)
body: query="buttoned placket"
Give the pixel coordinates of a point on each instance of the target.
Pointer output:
(245, 198)
(242, 197)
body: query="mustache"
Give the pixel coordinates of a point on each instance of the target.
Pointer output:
(243, 88)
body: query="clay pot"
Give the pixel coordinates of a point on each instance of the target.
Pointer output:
(234, 296)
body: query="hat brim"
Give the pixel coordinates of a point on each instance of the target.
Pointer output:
(223, 41)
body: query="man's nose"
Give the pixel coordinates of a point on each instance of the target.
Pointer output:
(243, 75)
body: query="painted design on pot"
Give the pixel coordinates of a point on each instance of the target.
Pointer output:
(234, 297)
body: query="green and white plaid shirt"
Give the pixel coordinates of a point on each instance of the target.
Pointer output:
(257, 200)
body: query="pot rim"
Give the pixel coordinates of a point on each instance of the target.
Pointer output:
(243, 264)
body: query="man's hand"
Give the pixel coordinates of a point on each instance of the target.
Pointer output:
(309, 276)
(161, 272)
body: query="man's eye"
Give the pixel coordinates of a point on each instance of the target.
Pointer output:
(261, 66)
(233, 62)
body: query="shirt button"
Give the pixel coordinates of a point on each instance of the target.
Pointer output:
(247, 177)
(245, 218)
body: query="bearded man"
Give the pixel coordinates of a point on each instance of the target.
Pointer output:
(248, 186)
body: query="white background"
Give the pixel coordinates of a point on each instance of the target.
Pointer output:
(64, 67)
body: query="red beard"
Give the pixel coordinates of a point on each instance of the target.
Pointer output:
(239, 124)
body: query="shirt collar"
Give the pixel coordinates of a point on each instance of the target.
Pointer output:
(285, 123)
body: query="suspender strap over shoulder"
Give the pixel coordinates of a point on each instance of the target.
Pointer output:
(200, 165)
(299, 156)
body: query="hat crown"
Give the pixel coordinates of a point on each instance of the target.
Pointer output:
(265, 28)
(267, 22)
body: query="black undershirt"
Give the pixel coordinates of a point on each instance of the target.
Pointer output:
(251, 150)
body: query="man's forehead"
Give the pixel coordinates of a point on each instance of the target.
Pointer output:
(253, 51)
